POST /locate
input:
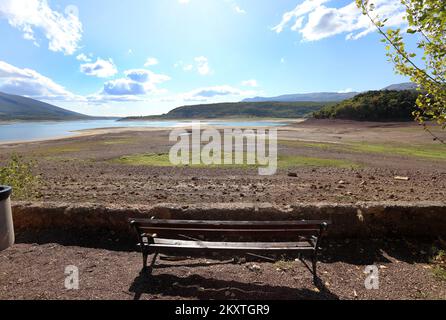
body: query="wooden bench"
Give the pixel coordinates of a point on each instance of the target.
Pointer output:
(185, 236)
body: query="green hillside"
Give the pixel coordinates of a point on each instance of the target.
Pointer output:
(240, 110)
(14, 107)
(386, 105)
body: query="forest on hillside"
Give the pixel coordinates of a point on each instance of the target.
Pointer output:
(241, 110)
(386, 105)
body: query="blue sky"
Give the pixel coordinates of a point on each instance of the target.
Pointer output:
(141, 57)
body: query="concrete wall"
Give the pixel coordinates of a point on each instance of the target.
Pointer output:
(361, 220)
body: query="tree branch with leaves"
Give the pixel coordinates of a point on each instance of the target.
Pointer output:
(427, 20)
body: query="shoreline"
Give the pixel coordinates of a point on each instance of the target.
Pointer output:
(108, 130)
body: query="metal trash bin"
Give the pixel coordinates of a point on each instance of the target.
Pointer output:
(7, 237)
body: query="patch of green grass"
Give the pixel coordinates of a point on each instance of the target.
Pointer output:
(427, 151)
(436, 152)
(299, 161)
(162, 160)
(318, 145)
(438, 255)
(438, 258)
(153, 160)
(18, 173)
(439, 272)
(68, 147)
(284, 265)
(60, 149)
(75, 147)
(119, 141)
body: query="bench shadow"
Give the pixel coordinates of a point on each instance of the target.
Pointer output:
(368, 252)
(198, 287)
(99, 239)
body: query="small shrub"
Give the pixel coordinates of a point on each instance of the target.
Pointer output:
(438, 255)
(18, 173)
(439, 260)
(284, 265)
(439, 272)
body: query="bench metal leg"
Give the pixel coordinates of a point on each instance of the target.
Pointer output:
(145, 256)
(314, 261)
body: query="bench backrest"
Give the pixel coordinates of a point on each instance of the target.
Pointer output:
(203, 229)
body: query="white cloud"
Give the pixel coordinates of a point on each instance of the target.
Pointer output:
(103, 98)
(185, 67)
(101, 68)
(348, 90)
(63, 31)
(202, 65)
(239, 10)
(315, 21)
(143, 75)
(27, 82)
(123, 86)
(137, 82)
(83, 57)
(188, 67)
(216, 91)
(300, 10)
(250, 83)
(151, 61)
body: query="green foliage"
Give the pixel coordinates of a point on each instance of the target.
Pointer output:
(240, 110)
(374, 106)
(439, 260)
(439, 272)
(427, 22)
(18, 173)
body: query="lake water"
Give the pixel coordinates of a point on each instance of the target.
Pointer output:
(24, 131)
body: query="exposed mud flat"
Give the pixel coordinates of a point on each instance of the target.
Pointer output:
(353, 162)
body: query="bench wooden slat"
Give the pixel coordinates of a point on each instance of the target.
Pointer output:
(147, 229)
(254, 246)
(223, 224)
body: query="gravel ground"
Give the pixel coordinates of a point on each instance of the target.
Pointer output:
(36, 271)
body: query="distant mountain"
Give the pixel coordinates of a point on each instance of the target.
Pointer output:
(306, 97)
(240, 110)
(14, 107)
(402, 86)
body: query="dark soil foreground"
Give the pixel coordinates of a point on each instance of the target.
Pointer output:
(36, 271)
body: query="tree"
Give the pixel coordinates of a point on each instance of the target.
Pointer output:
(426, 20)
